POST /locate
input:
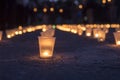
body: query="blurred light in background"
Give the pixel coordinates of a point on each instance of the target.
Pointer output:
(35, 9)
(104, 1)
(109, 0)
(44, 10)
(81, 6)
(61, 10)
(52, 9)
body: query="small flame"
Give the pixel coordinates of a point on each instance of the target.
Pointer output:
(96, 35)
(8, 36)
(88, 34)
(118, 42)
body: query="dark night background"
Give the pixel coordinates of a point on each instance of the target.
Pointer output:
(14, 13)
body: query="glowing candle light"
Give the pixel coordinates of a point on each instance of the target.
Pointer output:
(9, 36)
(118, 43)
(101, 35)
(46, 45)
(95, 33)
(35, 9)
(10, 33)
(20, 32)
(109, 0)
(1, 35)
(80, 32)
(81, 6)
(88, 32)
(24, 31)
(20, 27)
(104, 1)
(52, 9)
(44, 10)
(117, 37)
(61, 10)
(16, 32)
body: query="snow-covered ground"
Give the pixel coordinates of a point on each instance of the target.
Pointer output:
(75, 58)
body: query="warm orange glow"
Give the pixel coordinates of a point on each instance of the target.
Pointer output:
(101, 40)
(20, 32)
(38, 27)
(30, 29)
(118, 42)
(109, 0)
(117, 37)
(20, 27)
(74, 31)
(107, 26)
(9, 36)
(61, 10)
(44, 29)
(51, 9)
(83, 28)
(115, 26)
(88, 34)
(16, 33)
(45, 54)
(63, 28)
(104, 1)
(105, 30)
(24, 31)
(81, 6)
(12, 35)
(35, 9)
(1, 35)
(46, 46)
(96, 35)
(80, 32)
(44, 10)
(101, 35)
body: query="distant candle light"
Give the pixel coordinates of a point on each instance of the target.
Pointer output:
(80, 6)
(16, 33)
(88, 34)
(44, 10)
(109, 0)
(35, 9)
(20, 27)
(104, 1)
(8, 36)
(52, 9)
(61, 10)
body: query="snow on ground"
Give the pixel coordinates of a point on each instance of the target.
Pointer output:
(75, 58)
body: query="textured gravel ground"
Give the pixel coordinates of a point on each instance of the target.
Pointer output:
(75, 58)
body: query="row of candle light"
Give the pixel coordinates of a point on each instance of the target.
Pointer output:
(83, 26)
(47, 41)
(21, 30)
(99, 31)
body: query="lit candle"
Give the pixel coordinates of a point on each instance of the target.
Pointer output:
(117, 37)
